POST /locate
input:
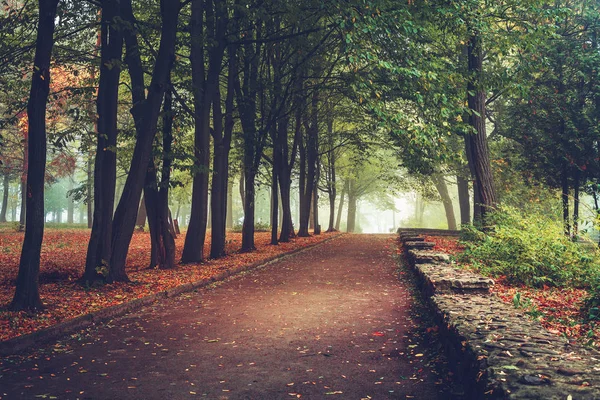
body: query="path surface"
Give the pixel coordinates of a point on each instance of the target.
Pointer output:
(331, 322)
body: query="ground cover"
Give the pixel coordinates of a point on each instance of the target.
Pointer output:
(62, 263)
(560, 310)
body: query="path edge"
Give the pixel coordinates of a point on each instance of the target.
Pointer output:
(55, 332)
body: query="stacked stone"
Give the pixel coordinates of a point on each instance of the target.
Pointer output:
(498, 352)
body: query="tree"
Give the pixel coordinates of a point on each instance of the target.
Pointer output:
(27, 295)
(105, 166)
(145, 111)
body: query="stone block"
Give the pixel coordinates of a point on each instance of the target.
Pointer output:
(427, 257)
(447, 279)
(420, 245)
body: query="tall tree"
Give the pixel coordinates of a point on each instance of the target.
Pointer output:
(204, 85)
(145, 111)
(105, 167)
(27, 295)
(222, 131)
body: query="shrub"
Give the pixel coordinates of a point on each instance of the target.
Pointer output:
(258, 227)
(530, 250)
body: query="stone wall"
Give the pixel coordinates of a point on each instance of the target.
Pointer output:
(496, 351)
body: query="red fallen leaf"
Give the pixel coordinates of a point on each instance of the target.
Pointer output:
(377, 333)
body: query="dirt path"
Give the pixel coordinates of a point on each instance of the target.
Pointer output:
(331, 322)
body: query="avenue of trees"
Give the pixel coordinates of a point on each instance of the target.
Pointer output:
(138, 108)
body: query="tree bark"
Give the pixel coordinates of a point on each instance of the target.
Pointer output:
(71, 203)
(142, 214)
(338, 219)
(254, 138)
(351, 219)
(478, 146)
(442, 188)
(89, 188)
(162, 233)
(193, 249)
(222, 131)
(5, 188)
(463, 200)
(27, 295)
(23, 213)
(565, 199)
(315, 202)
(145, 115)
(311, 129)
(229, 220)
(105, 166)
(576, 189)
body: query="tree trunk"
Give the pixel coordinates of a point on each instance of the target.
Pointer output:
(442, 188)
(23, 205)
(105, 167)
(203, 89)
(241, 186)
(351, 219)
(576, 189)
(157, 196)
(274, 205)
(70, 204)
(5, 184)
(311, 129)
(140, 221)
(27, 295)
(315, 202)
(89, 187)
(565, 199)
(222, 133)
(145, 116)
(463, 200)
(304, 210)
(338, 219)
(478, 145)
(229, 221)
(254, 138)
(286, 163)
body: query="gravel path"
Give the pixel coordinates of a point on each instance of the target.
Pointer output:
(331, 322)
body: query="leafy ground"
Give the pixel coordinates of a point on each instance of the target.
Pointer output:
(63, 259)
(560, 310)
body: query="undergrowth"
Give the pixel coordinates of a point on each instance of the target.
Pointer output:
(531, 250)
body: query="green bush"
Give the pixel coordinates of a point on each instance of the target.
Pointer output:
(530, 250)
(258, 227)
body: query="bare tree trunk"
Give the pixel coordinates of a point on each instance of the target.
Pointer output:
(463, 200)
(90, 188)
(565, 199)
(140, 221)
(27, 296)
(5, 189)
(23, 205)
(71, 203)
(478, 145)
(341, 205)
(149, 108)
(105, 166)
(351, 219)
(442, 188)
(229, 222)
(193, 249)
(576, 189)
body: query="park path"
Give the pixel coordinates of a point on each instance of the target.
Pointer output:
(331, 322)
